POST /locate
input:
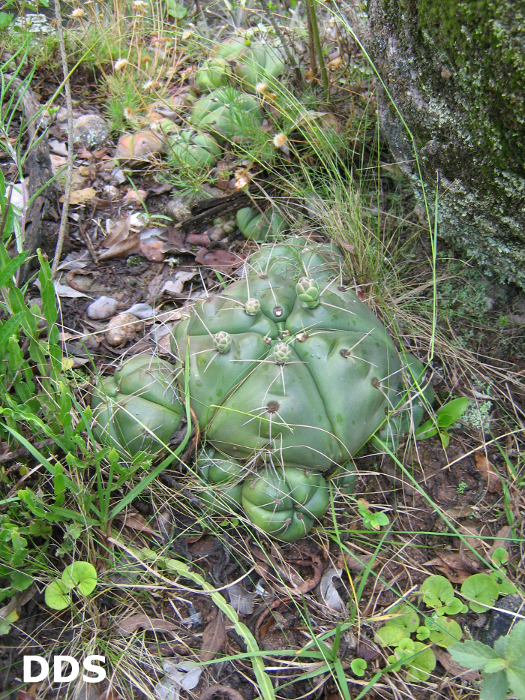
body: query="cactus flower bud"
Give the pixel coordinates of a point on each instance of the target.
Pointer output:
(282, 353)
(308, 292)
(252, 307)
(222, 342)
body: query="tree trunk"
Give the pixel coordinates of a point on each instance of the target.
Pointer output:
(455, 69)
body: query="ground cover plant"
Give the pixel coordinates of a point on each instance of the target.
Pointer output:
(227, 126)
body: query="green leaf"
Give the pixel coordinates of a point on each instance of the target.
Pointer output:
(494, 687)
(453, 607)
(57, 595)
(481, 591)
(358, 667)
(472, 655)
(495, 666)
(422, 634)
(445, 438)
(426, 430)
(9, 328)
(391, 635)
(21, 581)
(176, 10)
(80, 575)
(515, 649)
(500, 556)
(437, 587)
(516, 679)
(444, 632)
(451, 412)
(5, 20)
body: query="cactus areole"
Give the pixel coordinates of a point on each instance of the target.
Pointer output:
(290, 372)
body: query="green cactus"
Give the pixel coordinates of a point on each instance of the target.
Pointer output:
(226, 113)
(254, 61)
(290, 372)
(138, 408)
(192, 149)
(213, 74)
(222, 481)
(285, 502)
(259, 227)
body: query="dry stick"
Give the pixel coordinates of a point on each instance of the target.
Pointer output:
(278, 32)
(311, 43)
(69, 173)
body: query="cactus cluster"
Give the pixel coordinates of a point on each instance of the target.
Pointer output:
(289, 375)
(289, 370)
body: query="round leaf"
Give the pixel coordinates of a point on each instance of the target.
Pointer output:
(57, 596)
(481, 591)
(391, 635)
(437, 587)
(500, 556)
(80, 575)
(358, 667)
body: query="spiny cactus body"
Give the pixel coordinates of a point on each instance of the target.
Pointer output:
(226, 113)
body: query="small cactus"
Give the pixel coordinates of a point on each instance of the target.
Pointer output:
(252, 307)
(222, 342)
(308, 291)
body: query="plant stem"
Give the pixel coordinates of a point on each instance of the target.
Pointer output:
(69, 173)
(312, 6)
(311, 42)
(278, 32)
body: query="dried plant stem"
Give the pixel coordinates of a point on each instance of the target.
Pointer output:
(69, 172)
(311, 6)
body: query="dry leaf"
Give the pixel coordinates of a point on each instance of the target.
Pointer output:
(137, 522)
(488, 473)
(117, 231)
(122, 249)
(453, 667)
(81, 196)
(219, 260)
(240, 599)
(210, 693)
(213, 638)
(502, 540)
(152, 250)
(143, 622)
(328, 592)
(64, 290)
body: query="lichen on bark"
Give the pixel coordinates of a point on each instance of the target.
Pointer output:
(456, 72)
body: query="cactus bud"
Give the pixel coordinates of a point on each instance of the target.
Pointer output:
(282, 353)
(222, 342)
(252, 307)
(308, 292)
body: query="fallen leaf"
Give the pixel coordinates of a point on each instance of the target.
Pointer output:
(64, 290)
(241, 600)
(184, 675)
(58, 147)
(367, 651)
(453, 667)
(328, 592)
(122, 249)
(503, 539)
(137, 196)
(81, 196)
(152, 250)
(161, 189)
(209, 693)
(199, 239)
(117, 231)
(220, 260)
(142, 622)
(137, 522)
(488, 473)
(213, 638)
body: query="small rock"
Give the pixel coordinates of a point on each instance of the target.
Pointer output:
(141, 311)
(111, 192)
(178, 209)
(499, 623)
(216, 233)
(103, 307)
(122, 329)
(90, 131)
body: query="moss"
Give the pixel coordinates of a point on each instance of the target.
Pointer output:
(456, 71)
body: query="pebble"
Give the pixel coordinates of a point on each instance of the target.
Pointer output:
(122, 328)
(90, 131)
(103, 307)
(141, 311)
(499, 623)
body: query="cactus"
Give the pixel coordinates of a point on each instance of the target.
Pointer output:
(221, 480)
(212, 74)
(259, 227)
(254, 61)
(309, 374)
(226, 113)
(138, 408)
(192, 149)
(285, 502)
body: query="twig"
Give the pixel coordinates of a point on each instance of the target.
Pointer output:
(69, 173)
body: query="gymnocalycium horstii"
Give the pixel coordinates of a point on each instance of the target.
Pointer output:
(289, 375)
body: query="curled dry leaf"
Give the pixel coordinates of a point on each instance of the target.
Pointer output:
(488, 473)
(142, 622)
(241, 600)
(213, 637)
(122, 249)
(328, 592)
(220, 260)
(214, 690)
